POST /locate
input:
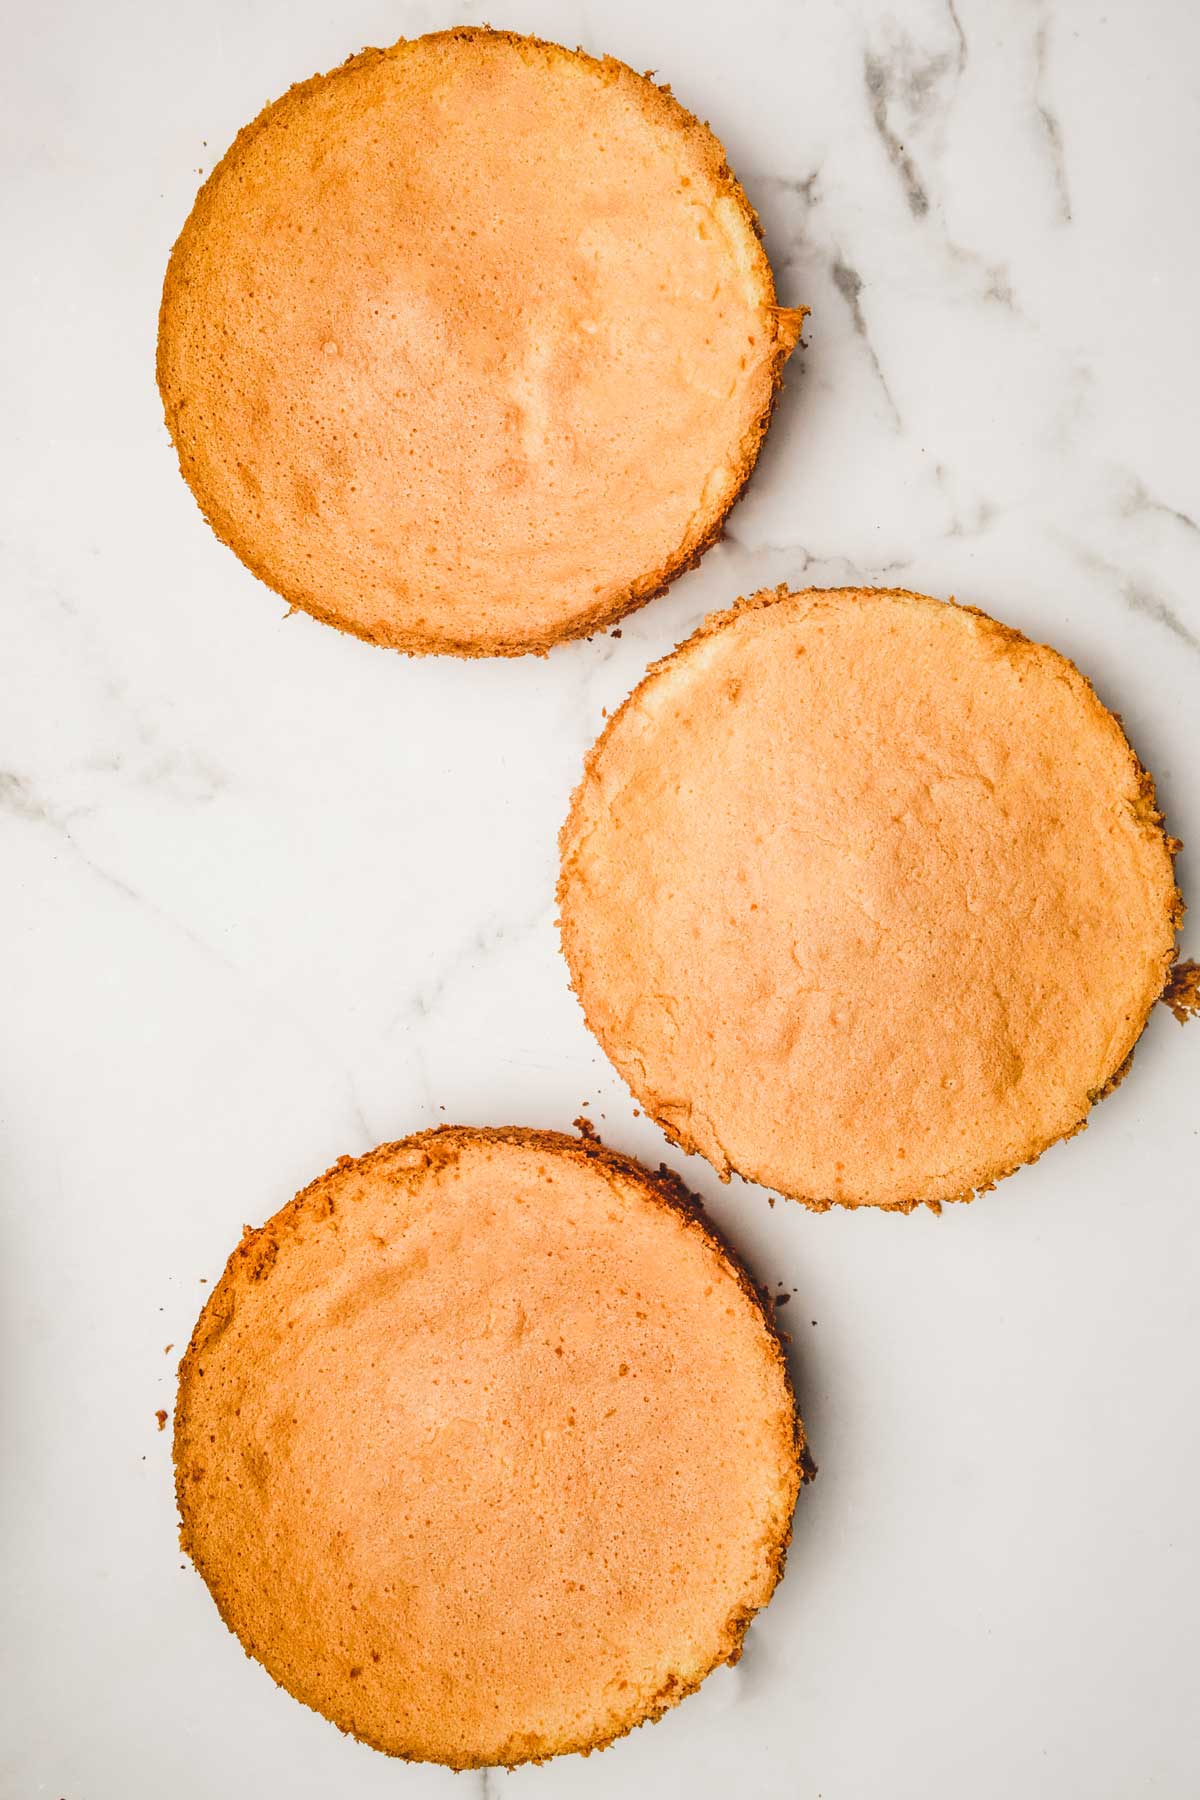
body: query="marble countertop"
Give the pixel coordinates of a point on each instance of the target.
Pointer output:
(272, 895)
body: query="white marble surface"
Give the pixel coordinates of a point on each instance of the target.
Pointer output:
(271, 895)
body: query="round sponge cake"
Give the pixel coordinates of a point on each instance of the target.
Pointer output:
(866, 896)
(486, 1447)
(470, 345)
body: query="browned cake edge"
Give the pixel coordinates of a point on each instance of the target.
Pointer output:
(254, 1257)
(789, 324)
(1150, 813)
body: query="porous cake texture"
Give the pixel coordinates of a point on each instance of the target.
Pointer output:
(866, 896)
(485, 1446)
(470, 344)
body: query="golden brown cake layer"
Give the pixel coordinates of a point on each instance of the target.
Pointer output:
(470, 344)
(486, 1447)
(866, 896)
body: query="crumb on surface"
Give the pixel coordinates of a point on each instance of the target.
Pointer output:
(1182, 992)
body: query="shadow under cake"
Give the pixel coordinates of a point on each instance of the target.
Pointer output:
(470, 344)
(866, 896)
(485, 1446)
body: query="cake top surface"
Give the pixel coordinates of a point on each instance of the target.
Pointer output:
(866, 896)
(485, 1446)
(470, 344)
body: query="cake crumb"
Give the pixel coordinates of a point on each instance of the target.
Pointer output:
(584, 1126)
(1182, 992)
(167, 1349)
(161, 1416)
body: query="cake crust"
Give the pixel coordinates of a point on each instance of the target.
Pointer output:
(392, 464)
(875, 894)
(232, 1467)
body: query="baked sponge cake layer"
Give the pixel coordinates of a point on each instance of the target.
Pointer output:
(485, 1446)
(866, 896)
(470, 344)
